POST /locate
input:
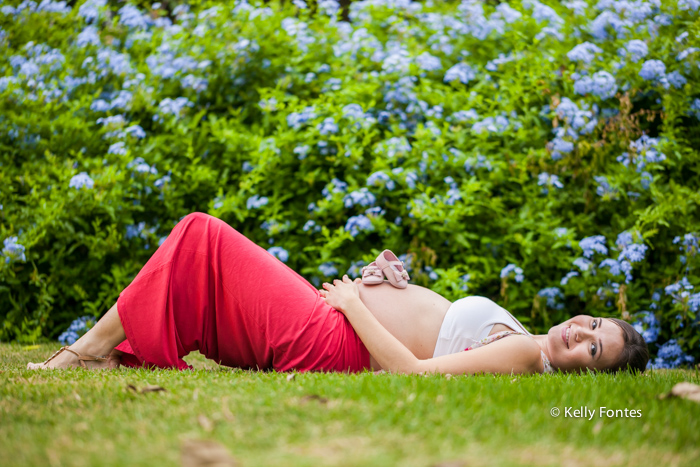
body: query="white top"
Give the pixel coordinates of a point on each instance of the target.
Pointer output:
(470, 320)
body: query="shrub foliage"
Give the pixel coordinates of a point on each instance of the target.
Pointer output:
(543, 155)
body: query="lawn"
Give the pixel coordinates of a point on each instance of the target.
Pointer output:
(77, 417)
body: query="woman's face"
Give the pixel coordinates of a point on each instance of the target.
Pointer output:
(584, 342)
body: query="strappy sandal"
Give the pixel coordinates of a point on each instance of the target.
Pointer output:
(393, 268)
(372, 274)
(81, 358)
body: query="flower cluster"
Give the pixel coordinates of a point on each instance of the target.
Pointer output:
(321, 134)
(76, 329)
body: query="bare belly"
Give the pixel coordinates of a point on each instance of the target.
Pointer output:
(413, 315)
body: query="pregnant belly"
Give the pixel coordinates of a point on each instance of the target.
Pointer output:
(413, 315)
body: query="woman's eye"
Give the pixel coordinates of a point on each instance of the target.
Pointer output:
(593, 350)
(595, 324)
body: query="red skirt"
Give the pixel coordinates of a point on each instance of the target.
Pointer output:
(209, 288)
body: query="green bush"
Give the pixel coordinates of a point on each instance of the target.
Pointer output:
(543, 156)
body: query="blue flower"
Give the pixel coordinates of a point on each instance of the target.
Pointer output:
(353, 112)
(397, 60)
(508, 13)
(670, 355)
(683, 54)
(301, 4)
(338, 186)
(90, 10)
(694, 302)
(582, 263)
(584, 52)
(297, 119)
(81, 180)
(76, 329)
(279, 253)
(428, 62)
(606, 19)
(135, 131)
(604, 187)
(329, 7)
(174, 107)
(302, 151)
(393, 146)
(334, 84)
(681, 284)
(131, 17)
(255, 202)
(357, 224)
(491, 124)
(647, 325)
(68, 337)
(676, 79)
(492, 65)
(552, 294)
(593, 244)
(311, 224)
(328, 269)
(411, 179)
(612, 264)
(689, 5)
(601, 84)
(117, 148)
(328, 126)
(452, 196)
(89, 36)
(460, 71)
(569, 275)
(512, 269)
(363, 197)
(99, 105)
(545, 179)
(653, 70)
(381, 179)
(623, 239)
(635, 50)
(13, 251)
(464, 115)
(690, 243)
(634, 253)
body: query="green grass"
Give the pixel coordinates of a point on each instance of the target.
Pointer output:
(77, 417)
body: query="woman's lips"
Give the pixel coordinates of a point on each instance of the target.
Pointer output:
(563, 335)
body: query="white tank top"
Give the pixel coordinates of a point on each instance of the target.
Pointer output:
(469, 320)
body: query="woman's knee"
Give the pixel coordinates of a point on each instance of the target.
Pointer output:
(197, 216)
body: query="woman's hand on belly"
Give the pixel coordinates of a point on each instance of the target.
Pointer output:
(342, 294)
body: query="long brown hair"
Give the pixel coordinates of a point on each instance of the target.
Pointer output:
(635, 353)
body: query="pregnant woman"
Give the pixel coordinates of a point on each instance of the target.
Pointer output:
(209, 288)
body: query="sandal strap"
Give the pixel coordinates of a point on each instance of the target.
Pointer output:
(81, 358)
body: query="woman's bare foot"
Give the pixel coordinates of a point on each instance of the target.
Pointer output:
(67, 359)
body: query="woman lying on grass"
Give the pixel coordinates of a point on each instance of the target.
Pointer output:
(209, 288)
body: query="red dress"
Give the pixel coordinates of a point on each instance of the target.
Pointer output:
(209, 288)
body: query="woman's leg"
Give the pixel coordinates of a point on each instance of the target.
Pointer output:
(209, 288)
(98, 341)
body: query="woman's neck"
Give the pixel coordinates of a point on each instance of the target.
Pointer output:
(541, 340)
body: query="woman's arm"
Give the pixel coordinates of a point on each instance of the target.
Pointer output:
(517, 354)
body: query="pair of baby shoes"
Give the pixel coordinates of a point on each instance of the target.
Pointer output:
(386, 264)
